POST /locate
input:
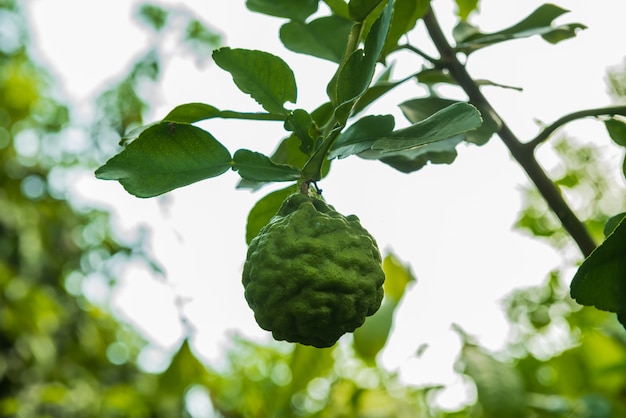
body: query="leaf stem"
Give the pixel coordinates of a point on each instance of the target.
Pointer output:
(545, 134)
(523, 154)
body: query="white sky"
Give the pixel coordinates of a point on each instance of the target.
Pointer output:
(451, 223)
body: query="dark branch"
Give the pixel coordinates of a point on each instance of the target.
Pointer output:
(521, 153)
(549, 130)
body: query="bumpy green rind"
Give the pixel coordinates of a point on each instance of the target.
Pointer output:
(312, 274)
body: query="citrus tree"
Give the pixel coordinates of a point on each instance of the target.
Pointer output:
(360, 36)
(308, 265)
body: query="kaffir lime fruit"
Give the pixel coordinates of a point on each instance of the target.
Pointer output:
(312, 274)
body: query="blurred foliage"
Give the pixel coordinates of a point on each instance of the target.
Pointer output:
(583, 173)
(61, 354)
(125, 103)
(64, 355)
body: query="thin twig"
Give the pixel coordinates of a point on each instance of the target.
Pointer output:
(522, 154)
(545, 134)
(419, 52)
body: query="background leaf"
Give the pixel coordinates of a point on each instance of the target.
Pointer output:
(164, 157)
(370, 338)
(291, 9)
(265, 77)
(265, 209)
(258, 167)
(539, 22)
(465, 7)
(324, 38)
(499, 386)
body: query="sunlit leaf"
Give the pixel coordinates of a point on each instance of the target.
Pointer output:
(370, 338)
(324, 38)
(539, 22)
(290, 9)
(397, 277)
(601, 280)
(164, 157)
(184, 370)
(265, 209)
(499, 386)
(258, 167)
(265, 77)
(465, 7)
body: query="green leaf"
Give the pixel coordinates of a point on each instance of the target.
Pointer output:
(288, 152)
(324, 38)
(314, 168)
(184, 371)
(265, 209)
(417, 110)
(258, 167)
(451, 121)
(601, 279)
(339, 8)
(617, 130)
(612, 223)
(154, 16)
(397, 277)
(408, 161)
(405, 15)
(465, 7)
(195, 112)
(539, 22)
(355, 75)
(164, 157)
(265, 77)
(370, 338)
(291, 9)
(301, 124)
(499, 386)
(361, 135)
(192, 112)
(360, 9)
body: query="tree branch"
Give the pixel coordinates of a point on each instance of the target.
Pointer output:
(421, 53)
(545, 134)
(522, 154)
